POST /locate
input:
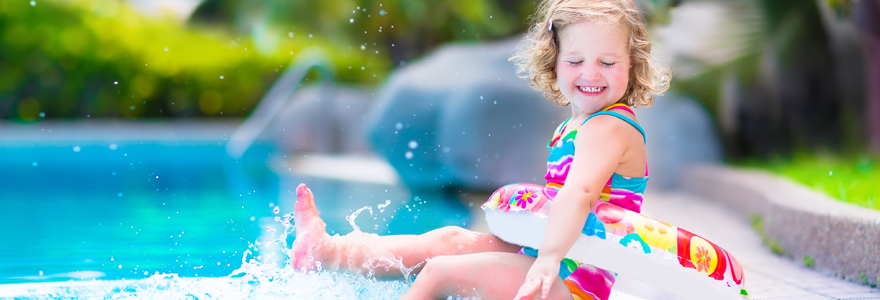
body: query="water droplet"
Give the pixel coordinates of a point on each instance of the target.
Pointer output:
(118, 195)
(363, 48)
(490, 16)
(113, 146)
(76, 148)
(481, 97)
(221, 77)
(276, 210)
(42, 115)
(166, 49)
(413, 144)
(120, 266)
(310, 35)
(381, 12)
(34, 3)
(351, 20)
(116, 82)
(398, 126)
(495, 102)
(408, 155)
(132, 107)
(830, 173)
(253, 218)
(41, 272)
(290, 34)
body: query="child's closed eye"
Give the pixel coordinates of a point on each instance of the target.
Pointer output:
(604, 64)
(575, 63)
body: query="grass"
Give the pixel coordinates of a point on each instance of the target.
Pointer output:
(809, 262)
(852, 179)
(758, 226)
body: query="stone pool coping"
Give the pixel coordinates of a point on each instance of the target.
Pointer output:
(103, 129)
(839, 238)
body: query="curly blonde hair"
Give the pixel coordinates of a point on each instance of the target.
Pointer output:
(537, 53)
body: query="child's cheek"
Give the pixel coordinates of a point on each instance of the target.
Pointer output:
(619, 73)
(564, 74)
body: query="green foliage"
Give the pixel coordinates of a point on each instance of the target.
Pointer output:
(809, 262)
(399, 29)
(758, 225)
(852, 179)
(757, 78)
(69, 59)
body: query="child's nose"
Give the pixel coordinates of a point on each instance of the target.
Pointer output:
(590, 73)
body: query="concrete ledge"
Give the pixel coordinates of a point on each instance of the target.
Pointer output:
(841, 238)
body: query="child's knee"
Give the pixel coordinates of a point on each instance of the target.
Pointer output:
(435, 273)
(455, 239)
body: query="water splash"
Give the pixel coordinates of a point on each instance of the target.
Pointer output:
(382, 206)
(264, 274)
(353, 216)
(285, 284)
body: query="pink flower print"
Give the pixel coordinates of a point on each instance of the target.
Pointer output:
(703, 259)
(525, 196)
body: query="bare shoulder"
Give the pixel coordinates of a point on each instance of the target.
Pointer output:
(607, 126)
(613, 132)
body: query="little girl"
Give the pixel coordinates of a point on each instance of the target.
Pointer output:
(592, 55)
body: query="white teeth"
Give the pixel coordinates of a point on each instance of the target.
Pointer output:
(591, 89)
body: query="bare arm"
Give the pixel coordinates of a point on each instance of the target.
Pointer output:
(600, 146)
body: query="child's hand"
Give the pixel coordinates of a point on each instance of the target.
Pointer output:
(541, 276)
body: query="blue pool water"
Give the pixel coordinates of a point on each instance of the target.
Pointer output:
(108, 210)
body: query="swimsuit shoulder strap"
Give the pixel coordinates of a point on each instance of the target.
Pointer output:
(607, 111)
(621, 106)
(558, 133)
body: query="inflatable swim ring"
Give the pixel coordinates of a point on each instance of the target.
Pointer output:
(632, 245)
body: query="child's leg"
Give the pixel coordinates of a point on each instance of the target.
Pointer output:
(490, 275)
(358, 253)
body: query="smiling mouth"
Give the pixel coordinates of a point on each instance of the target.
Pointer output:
(588, 89)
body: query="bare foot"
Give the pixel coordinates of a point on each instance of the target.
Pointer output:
(312, 241)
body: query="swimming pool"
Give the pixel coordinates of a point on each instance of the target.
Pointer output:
(118, 211)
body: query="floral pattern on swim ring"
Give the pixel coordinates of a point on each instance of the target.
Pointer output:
(703, 260)
(524, 196)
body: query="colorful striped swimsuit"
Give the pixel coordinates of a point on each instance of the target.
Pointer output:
(585, 281)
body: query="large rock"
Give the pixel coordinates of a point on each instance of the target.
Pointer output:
(322, 118)
(461, 117)
(679, 133)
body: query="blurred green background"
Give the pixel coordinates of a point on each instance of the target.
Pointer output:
(787, 81)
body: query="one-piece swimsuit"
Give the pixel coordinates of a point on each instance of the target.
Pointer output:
(583, 280)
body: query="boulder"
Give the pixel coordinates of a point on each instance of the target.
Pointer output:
(460, 117)
(679, 132)
(322, 118)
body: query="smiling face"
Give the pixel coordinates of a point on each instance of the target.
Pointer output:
(592, 68)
